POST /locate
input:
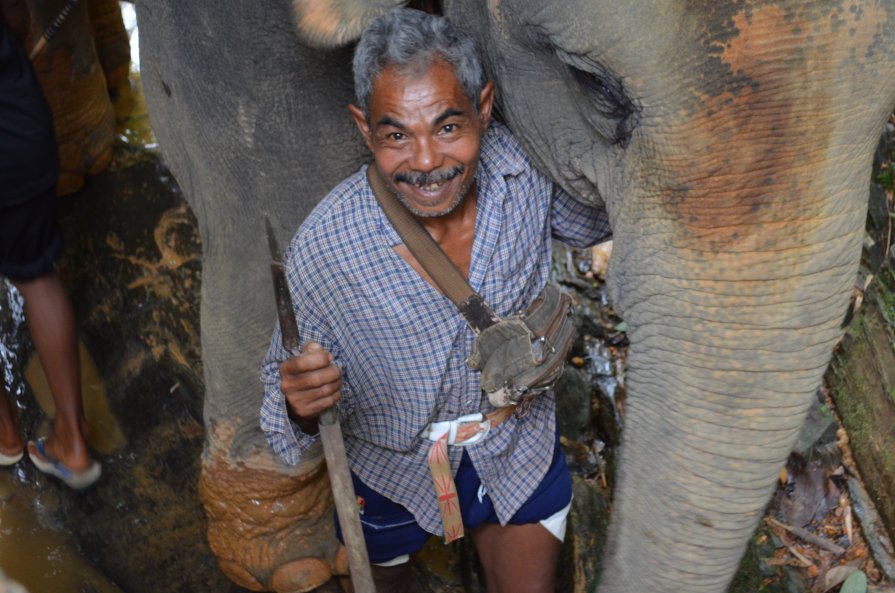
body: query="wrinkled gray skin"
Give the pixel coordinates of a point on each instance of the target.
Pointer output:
(731, 143)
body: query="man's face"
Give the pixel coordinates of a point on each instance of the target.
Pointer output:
(424, 133)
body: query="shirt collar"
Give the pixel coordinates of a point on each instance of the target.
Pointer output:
(495, 155)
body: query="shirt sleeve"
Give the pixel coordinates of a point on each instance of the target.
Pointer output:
(577, 224)
(284, 435)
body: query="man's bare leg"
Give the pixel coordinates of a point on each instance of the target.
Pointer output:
(518, 558)
(51, 321)
(11, 442)
(392, 579)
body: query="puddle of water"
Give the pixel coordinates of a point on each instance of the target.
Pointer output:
(41, 559)
(105, 435)
(12, 326)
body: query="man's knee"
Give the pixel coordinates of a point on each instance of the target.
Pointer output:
(518, 558)
(392, 579)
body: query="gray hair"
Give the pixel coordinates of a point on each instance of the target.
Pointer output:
(411, 40)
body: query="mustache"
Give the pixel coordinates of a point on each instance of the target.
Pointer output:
(421, 178)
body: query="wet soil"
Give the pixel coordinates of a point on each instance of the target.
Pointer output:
(132, 266)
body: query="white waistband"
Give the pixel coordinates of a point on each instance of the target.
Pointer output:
(435, 430)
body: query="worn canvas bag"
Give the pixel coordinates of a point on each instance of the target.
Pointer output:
(520, 356)
(523, 355)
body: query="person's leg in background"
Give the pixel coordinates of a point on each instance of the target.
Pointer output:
(51, 322)
(30, 244)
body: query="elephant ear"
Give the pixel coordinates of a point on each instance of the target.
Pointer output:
(328, 24)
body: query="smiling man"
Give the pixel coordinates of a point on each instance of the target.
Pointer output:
(381, 340)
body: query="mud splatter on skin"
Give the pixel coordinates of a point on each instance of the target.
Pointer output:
(328, 24)
(266, 527)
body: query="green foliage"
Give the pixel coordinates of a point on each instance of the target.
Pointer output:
(886, 286)
(856, 327)
(855, 583)
(886, 176)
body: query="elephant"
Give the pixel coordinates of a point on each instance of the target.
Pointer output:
(730, 142)
(88, 56)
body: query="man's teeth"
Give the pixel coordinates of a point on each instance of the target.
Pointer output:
(432, 186)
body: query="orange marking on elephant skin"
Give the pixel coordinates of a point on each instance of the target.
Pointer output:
(318, 19)
(326, 23)
(755, 149)
(266, 525)
(494, 10)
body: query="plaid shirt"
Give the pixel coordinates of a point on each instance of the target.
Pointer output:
(402, 346)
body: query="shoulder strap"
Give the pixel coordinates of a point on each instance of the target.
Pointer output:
(436, 263)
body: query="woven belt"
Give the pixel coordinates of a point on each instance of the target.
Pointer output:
(464, 431)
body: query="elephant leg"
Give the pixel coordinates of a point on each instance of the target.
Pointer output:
(270, 531)
(75, 88)
(111, 40)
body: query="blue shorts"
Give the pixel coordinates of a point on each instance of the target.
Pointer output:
(30, 239)
(391, 531)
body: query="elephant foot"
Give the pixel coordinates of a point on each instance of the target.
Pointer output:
(271, 527)
(240, 576)
(300, 576)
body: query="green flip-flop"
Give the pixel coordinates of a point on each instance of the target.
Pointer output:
(53, 467)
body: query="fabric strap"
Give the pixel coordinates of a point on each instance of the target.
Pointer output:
(440, 268)
(440, 467)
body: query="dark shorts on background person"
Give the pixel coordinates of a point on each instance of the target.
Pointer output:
(391, 531)
(30, 239)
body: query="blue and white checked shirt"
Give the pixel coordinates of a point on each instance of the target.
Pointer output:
(402, 346)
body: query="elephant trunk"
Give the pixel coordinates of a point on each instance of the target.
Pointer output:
(720, 377)
(700, 459)
(734, 286)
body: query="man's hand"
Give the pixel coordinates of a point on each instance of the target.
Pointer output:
(311, 384)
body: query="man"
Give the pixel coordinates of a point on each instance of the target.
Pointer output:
(381, 340)
(30, 243)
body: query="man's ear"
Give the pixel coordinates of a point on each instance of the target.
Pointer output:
(328, 24)
(486, 102)
(360, 119)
